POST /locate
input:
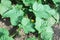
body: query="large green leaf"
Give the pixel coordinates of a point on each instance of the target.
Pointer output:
(14, 14)
(39, 10)
(44, 11)
(5, 37)
(3, 32)
(45, 18)
(45, 29)
(27, 25)
(5, 5)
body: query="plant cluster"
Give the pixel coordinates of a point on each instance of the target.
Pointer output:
(31, 16)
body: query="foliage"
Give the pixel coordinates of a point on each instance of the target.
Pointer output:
(15, 14)
(27, 25)
(45, 16)
(4, 34)
(55, 1)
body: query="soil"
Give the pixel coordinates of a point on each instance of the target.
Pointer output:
(6, 24)
(56, 32)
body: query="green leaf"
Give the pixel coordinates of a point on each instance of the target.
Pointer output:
(56, 1)
(47, 33)
(3, 32)
(14, 14)
(56, 17)
(27, 25)
(28, 2)
(5, 37)
(45, 18)
(38, 24)
(39, 1)
(44, 11)
(5, 5)
(39, 10)
(54, 14)
(51, 21)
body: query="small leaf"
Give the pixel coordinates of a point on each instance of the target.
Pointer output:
(27, 25)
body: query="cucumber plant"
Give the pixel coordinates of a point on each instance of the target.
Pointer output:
(31, 15)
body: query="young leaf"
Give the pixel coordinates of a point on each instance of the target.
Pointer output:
(27, 25)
